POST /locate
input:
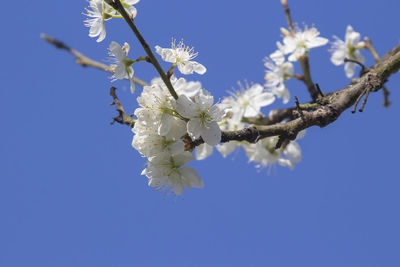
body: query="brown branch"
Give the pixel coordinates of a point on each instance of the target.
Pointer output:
(330, 106)
(122, 117)
(82, 59)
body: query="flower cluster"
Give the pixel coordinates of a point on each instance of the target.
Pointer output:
(162, 124)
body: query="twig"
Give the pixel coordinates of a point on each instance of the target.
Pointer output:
(298, 108)
(386, 93)
(122, 117)
(116, 4)
(319, 90)
(287, 14)
(365, 100)
(82, 59)
(358, 101)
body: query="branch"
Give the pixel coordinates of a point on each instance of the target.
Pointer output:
(82, 59)
(122, 118)
(116, 4)
(329, 109)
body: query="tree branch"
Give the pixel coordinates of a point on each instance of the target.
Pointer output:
(329, 109)
(82, 59)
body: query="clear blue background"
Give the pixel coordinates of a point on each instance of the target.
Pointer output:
(71, 193)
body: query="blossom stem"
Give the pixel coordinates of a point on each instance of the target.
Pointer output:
(116, 4)
(141, 59)
(116, 16)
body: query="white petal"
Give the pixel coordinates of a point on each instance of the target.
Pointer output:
(192, 176)
(116, 51)
(102, 34)
(265, 99)
(177, 148)
(96, 27)
(203, 151)
(185, 107)
(338, 56)
(194, 128)
(197, 67)
(177, 188)
(156, 182)
(185, 68)
(183, 158)
(226, 148)
(204, 100)
(211, 134)
(165, 124)
(120, 72)
(133, 12)
(349, 69)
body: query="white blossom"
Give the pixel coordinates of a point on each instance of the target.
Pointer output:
(278, 71)
(165, 171)
(96, 18)
(123, 66)
(302, 41)
(157, 108)
(149, 143)
(253, 99)
(181, 56)
(203, 116)
(264, 153)
(347, 49)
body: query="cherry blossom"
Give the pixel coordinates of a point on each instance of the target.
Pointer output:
(347, 49)
(181, 56)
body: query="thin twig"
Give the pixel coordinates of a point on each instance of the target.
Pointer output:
(358, 101)
(122, 117)
(298, 108)
(319, 90)
(287, 14)
(386, 93)
(84, 60)
(365, 100)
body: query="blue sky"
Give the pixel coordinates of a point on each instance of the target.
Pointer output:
(71, 193)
